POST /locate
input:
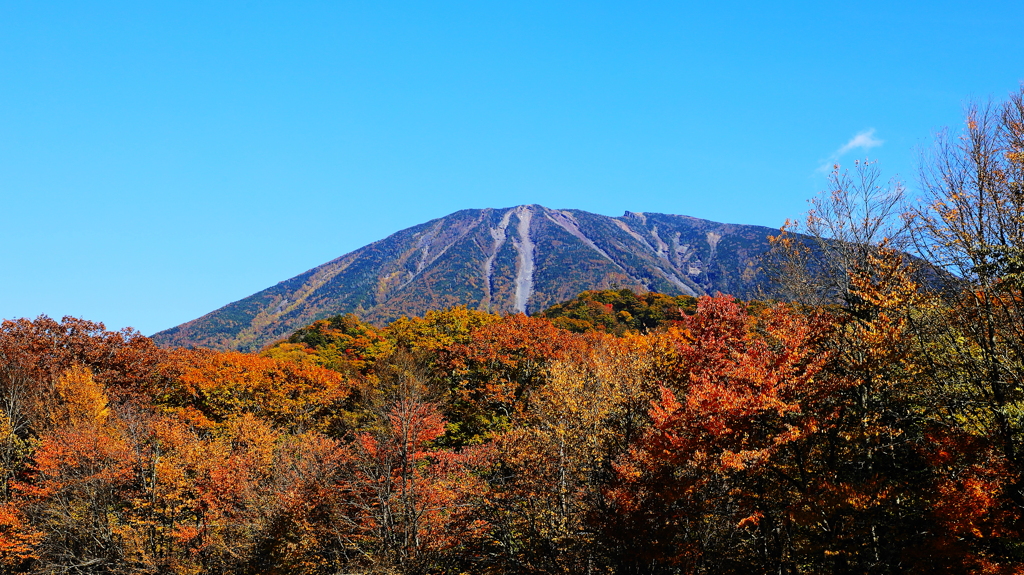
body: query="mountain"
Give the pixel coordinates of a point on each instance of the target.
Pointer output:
(520, 259)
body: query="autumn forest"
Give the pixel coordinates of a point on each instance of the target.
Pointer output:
(865, 416)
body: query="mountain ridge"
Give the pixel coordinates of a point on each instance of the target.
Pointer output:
(504, 260)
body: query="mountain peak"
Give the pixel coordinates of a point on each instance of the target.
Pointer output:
(507, 260)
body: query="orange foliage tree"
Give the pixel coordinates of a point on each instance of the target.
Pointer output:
(216, 386)
(485, 378)
(734, 402)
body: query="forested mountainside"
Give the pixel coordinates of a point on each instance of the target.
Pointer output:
(520, 259)
(653, 435)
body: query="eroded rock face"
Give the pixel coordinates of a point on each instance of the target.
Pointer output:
(520, 259)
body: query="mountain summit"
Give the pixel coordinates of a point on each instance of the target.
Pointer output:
(520, 259)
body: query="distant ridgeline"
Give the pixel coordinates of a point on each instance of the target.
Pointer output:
(521, 259)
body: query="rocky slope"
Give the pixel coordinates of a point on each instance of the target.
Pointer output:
(520, 259)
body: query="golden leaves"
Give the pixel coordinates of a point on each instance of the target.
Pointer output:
(80, 399)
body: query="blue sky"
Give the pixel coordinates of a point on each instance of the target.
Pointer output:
(160, 160)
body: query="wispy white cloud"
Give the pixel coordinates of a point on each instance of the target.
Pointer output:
(863, 140)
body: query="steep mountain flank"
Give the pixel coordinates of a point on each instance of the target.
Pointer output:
(520, 259)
